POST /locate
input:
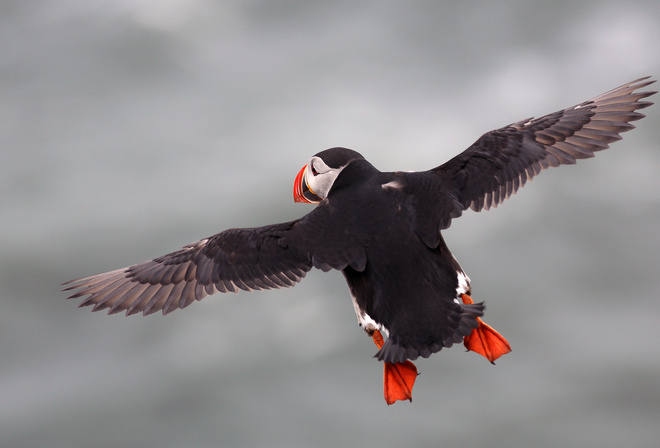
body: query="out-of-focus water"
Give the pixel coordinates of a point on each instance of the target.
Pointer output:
(131, 128)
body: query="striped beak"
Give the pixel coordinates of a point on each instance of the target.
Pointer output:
(301, 191)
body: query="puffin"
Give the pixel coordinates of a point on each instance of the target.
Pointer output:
(383, 231)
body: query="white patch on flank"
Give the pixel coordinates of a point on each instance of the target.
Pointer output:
(395, 184)
(463, 284)
(365, 321)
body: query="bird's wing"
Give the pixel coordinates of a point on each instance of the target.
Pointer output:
(501, 161)
(247, 259)
(269, 257)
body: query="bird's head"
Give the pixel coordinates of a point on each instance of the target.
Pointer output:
(315, 180)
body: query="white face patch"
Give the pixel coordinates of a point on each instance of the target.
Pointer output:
(320, 177)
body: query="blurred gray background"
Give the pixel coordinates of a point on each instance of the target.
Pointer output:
(130, 128)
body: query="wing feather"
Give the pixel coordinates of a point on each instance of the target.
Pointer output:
(503, 160)
(233, 260)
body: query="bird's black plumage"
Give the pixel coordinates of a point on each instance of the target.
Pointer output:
(382, 230)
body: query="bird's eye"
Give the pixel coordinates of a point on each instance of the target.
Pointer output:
(314, 172)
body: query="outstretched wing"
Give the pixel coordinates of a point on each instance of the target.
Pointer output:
(247, 259)
(501, 161)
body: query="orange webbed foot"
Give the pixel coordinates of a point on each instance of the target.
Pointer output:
(398, 379)
(484, 339)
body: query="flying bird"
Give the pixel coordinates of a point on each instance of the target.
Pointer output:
(382, 230)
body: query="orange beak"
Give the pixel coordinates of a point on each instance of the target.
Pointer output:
(301, 191)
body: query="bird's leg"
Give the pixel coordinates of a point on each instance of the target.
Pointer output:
(398, 379)
(484, 339)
